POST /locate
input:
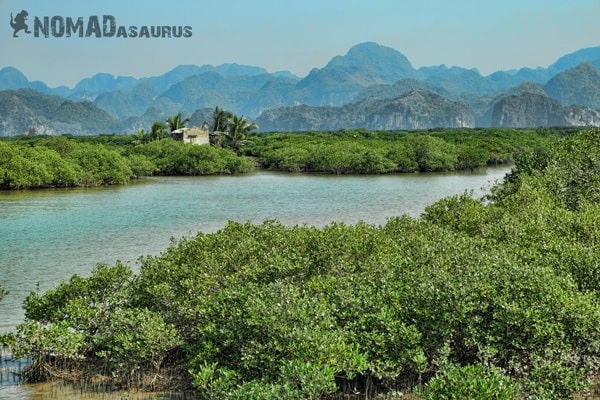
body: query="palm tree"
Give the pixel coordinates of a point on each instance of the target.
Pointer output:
(220, 120)
(174, 123)
(237, 132)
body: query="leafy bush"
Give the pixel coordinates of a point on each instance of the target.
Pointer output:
(176, 158)
(432, 153)
(141, 165)
(100, 166)
(62, 161)
(471, 382)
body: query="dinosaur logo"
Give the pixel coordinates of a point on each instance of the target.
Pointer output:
(18, 23)
(98, 26)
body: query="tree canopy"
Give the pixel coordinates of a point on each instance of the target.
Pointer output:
(176, 122)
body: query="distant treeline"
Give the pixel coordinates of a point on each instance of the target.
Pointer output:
(377, 152)
(478, 299)
(66, 161)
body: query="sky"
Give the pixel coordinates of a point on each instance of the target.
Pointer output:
(296, 36)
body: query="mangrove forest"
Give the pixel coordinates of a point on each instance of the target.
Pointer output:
(30, 162)
(492, 298)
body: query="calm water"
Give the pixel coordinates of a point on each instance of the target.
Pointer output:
(47, 236)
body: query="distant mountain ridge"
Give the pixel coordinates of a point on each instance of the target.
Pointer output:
(125, 104)
(590, 55)
(577, 85)
(26, 111)
(416, 109)
(532, 109)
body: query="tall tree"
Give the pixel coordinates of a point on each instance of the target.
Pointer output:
(221, 120)
(237, 132)
(176, 122)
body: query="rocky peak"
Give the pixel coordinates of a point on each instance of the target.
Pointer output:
(533, 109)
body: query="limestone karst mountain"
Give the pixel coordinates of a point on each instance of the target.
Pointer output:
(109, 104)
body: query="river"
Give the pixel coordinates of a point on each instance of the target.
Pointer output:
(48, 235)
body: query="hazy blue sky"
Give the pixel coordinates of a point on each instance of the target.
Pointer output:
(299, 35)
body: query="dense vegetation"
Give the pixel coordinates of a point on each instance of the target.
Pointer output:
(372, 152)
(65, 161)
(61, 161)
(39, 161)
(495, 298)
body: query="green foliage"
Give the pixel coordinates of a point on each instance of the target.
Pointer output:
(19, 170)
(471, 382)
(138, 336)
(176, 122)
(176, 158)
(553, 380)
(260, 390)
(232, 131)
(33, 162)
(555, 234)
(432, 153)
(86, 302)
(472, 157)
(57, 338)
(471, 300)
(573, 176)
(237, 131)
(277, 332)
(91, 318)
(62, 161)
(141, 165)
(214, 382)
(100, 166)
(371, 152)
(159, 131)
(221, 120)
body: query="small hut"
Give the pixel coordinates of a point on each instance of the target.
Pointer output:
(193, 135)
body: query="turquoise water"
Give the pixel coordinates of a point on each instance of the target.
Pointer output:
(48, 235)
